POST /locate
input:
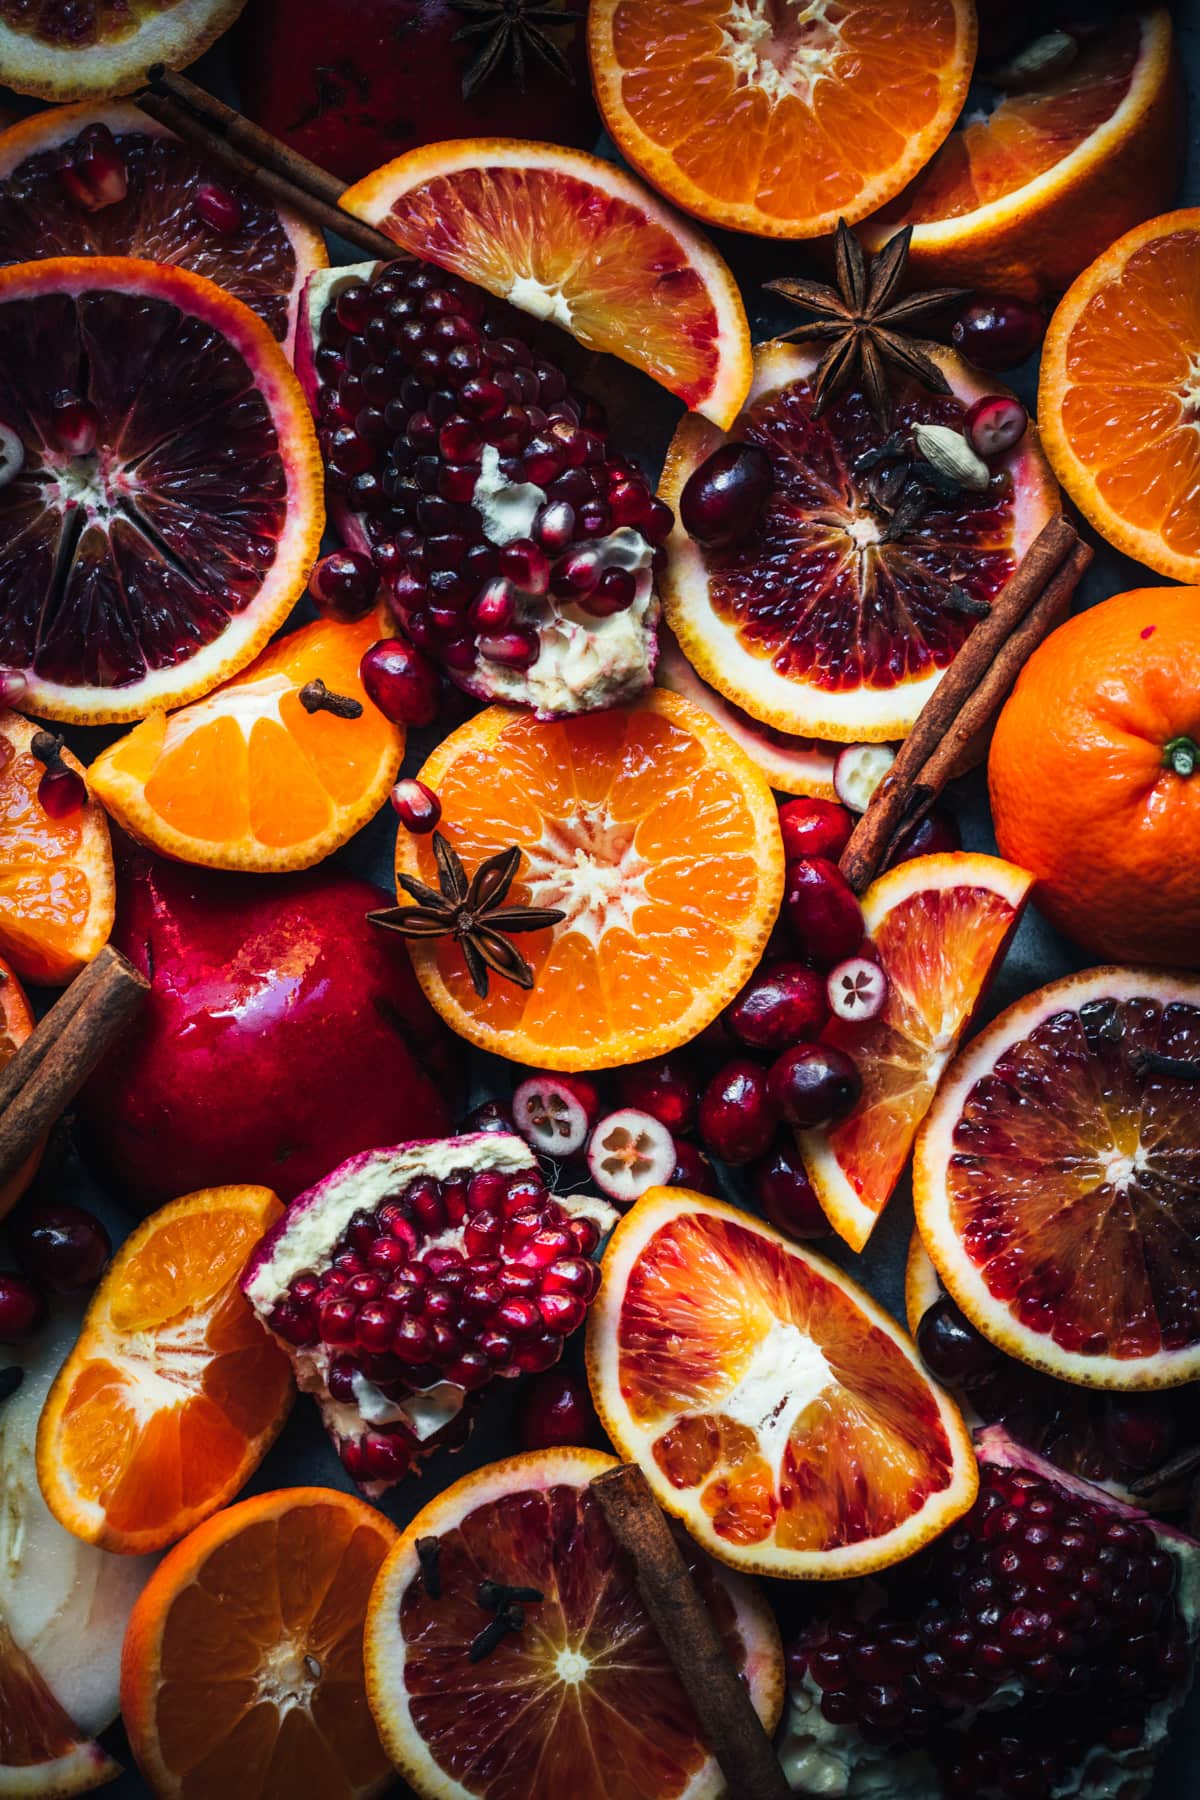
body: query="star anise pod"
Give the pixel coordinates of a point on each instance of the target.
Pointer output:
(864, 323)
(510, 30)
(471, 911)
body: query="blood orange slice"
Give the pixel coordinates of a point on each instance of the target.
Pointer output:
(773, 1405)
(42, 1755)
(264, 260)
(168, 509)
(1057, 1179)
(66, 51)
(567, 237)
(940, 925)
(820, 623)
(581, 1699)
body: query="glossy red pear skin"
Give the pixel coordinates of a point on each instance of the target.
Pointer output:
(283, 1033)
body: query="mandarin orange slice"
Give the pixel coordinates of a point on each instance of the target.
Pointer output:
(582, 1700)
(773, 1406)
(242, 1671)
(16, 1023)
(250, 777)
(174, 1392)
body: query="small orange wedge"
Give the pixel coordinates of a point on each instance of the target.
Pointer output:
(261, 774)
(42, 1755)
(16, 1023)
(174, 1392)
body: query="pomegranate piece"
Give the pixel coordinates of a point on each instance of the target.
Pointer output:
(814, 828)
(556, 1408)
(822, 911)
(811, 1085)
(858, 771)
(782, 1189)
(995, 424)
(723, 498)
(416, 806)
(857, 989)
(998, 331)
(629, 1151)
(22, 1309)
(780, 1005)
(555, 1113)
(60, 1246)
(665, 1088)
(737, 1115)
(92, 169)
(411, 1277)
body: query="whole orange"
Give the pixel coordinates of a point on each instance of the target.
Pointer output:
(1094, 775)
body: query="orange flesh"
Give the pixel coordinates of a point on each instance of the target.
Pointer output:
(1073, 1184)
(624, 1731)
(34, 1728)
(45, 893)
(858, 1460)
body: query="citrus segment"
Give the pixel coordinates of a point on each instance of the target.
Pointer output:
(174, 1392)
(780, 121)
(42, 1755)
(57, 896)
(16, 1023)
(1119, 394)
(569, 238)
(1056, 1180)
(1025, 192)
(774, 1407)
(939, 925)
(168, 511)
(250, 778)
(243, 1664)
(583, 1697)
(819, 623)
(63, 52)
(656, 837)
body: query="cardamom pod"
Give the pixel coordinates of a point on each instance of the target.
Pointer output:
(950, 454)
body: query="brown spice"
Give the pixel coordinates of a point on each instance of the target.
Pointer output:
(316, 697)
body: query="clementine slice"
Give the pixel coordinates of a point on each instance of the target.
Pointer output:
(174, 1392)
(1119, 394)
(772, 1404)
(583, 1698)
(940, 926)
(57, 897)
(42, 1755)
(104, 46)
(655, 836)
(1057, 1179)
(16, 1023)
(569, 238)
(1024, 193)
(261, 774)
(780, 120)
(243, 1665)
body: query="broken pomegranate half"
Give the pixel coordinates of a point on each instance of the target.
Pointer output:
(410, 1277)
(515, 547)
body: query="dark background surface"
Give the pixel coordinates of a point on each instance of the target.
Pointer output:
(643, 417)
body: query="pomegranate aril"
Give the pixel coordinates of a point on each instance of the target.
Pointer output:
(615, 592)
(337, 1321)
(576, 575)
(571, 1275)
(494, 610)
(586, 1234)
(93, 169)
(526, 565)
(563, 1313)
(540, 1353)
(556, 1409)
(416, 806)
(61, 790)
(515, 649)
(343, 585)
(554, 526)
(518, 1315)
(218, 208)
(74, 423)
(424, 1198)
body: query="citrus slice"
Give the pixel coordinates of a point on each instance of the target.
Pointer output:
(168, 509)
(651, 831)
(264, 260)
(772, 1404)
(1057, 1180)
(583, 1697)
(1023, 195)
(815, 624)
(42, 1755)
(1119, 394)
(16, 1023)
(174, 1392)
(940, 926)
(569, 238)
(250, 778)
(99, 47)
(243, 1664)
(57, 895)
(780, 120)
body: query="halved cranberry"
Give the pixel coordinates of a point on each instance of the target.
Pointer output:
(555, 1113)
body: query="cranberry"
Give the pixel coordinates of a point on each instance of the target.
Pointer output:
(220, 210)
(737, 1115)
(822, 911)
(401, 682)
(995, 424)
(61, 1246)
(781, 1005)
(556, 1409)
(998, 331)
(782, 1189)
(723, 498)
(343, 585)
(814, 828)
(22, 1309)
(811, 1085)
(417, 806)
(937, 831)
(952, 1349)
(692, 1169)
(664, 1088)
(492, 1117)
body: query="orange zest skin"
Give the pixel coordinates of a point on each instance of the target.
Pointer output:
(174, 1392)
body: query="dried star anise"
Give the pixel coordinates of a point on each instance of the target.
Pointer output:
(511, 29)
(471, 912)
(864, 323)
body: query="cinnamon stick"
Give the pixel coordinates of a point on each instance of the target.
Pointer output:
(260, 146)
(53, 1063)
(988, 644)
(719, 1696)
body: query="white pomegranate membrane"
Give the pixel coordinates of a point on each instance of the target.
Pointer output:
(410, 1277)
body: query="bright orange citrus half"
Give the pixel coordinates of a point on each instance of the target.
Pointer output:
(773, 1405)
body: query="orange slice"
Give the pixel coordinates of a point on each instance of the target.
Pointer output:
(1057, 1180)
(1020, 198)
(567, 237)
(940, 926)
(243, 1665)
(16, 1023)
(42, 1755)
(64, 53)
(249, 778)
(656, 836)
(780, 120)
(772, 1404)
(581, 1700)
(57, 897)
(1119, 394)
(174, 1392)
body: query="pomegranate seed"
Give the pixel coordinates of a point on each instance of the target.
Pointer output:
(93, 169)
(340, 1380)
(470, 1370)
(293, 1323)
(13, 683)
(615, 592)
(576, 575)
(220, 209)
(586, 1233)
(343, 585)
(781, 1005)
(516, 649)
(723, 498)
(388, 1455)
(554, 1113)
(497, 1346)
(556, 1409)
(858, 771)
(571, 1275)
(482, 1232)
(822, 911)
(377, 1324)
(542, 1353)
(811, 1085)
(629, 1152)
(554, 526)
(492, 1118)
(412, 1340)
(417, 806)
(526, 565)
(563, 1313)
(494, 611)
(518, 1315)
(737, 1115)
(74, 422)
(337, 1321)
(857, 989)
(61, 789)
(995, 424)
